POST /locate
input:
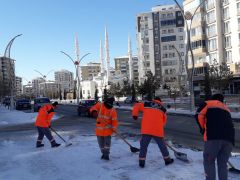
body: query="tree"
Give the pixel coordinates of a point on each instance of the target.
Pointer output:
(126, 90)
(207, 87)
(133, 93)
(64, 94)
(60, 94)
(96, 94)
(219, 76)
(149, 86)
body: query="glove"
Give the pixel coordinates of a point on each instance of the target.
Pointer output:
(49, 126)
(135, 117)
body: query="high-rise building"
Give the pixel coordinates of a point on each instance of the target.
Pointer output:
(18, 85)
(122, 65)
(90, 70)
(35, 86)
(65, 79)
(7, 75)
(49, 89)
(161, 47)
(215, 33)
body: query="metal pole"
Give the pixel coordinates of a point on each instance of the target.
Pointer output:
(189, 48)
(7, 54)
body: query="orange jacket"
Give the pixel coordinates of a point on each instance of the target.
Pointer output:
(45, 116)
(215, 121)
(154, 117)
(106, 121)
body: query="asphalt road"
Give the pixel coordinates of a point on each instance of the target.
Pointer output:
(180, 129)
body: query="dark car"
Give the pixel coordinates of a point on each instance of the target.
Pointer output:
(84, 107)
(23, 104)
(39, 102)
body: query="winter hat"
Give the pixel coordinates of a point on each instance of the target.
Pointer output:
(55, 103)
(110, 100)
(218, 97)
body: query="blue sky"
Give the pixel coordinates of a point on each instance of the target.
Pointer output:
(49, 26)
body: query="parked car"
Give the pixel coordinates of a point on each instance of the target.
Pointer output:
(23, 104)
(84, 107)
(39, 102)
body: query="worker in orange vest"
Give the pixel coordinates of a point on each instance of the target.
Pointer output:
(106, 124)
(215, 123)
(43, 123)
(152, 126)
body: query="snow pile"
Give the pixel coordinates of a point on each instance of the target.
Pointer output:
(8, 117)
(21, 160)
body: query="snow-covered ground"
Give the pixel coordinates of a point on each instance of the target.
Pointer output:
(20, 160)
(8, 117)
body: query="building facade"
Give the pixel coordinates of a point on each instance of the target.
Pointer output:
(35, 86)
(90, 70)
(122, 65)
(65, 79)
(161, 47)
(18, 85)
(50, 89)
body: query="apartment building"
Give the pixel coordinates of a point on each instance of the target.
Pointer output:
(65, 79)
(18, 85)
(122, 65)
(35, 86)
(215, 33)
(161, 47)
(49, 89)
(90, 70)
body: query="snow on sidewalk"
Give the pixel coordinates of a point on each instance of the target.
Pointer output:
(20, 160)
(8, 117)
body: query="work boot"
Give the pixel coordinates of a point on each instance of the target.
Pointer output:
(39, 144)
(54, 144)
(106, 156)
(141, 163)
(168, 161)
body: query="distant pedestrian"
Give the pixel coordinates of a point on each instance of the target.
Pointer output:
(152, 126)
(106, 124)
(215, 123)
(43, 123)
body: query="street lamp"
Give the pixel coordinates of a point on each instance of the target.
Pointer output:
(45, 78)
(7, 54)
(78, 73)
(188, 17)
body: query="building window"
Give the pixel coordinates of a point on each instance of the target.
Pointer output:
(228, 56)
(226, 13)
(168, 38)
(181, 46)
(180, 38)
(170, 30)
(210, 18)
(165, 55)
(210, 4)
(182, 53)
(238, 8)
(238, 23)
(180, 29)
(211, 30)
(171, 55)
(164, 31)
(227, 27)
(169, 15)
(168, 22)
(212, 44)
(227, 41)
(164, 47)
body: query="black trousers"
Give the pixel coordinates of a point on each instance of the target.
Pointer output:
(44, 132)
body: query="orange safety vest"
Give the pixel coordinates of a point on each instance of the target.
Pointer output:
(154, 117)
(216, 107)
(106, 120)
(44, 117)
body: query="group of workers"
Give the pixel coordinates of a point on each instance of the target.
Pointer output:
(213, 118)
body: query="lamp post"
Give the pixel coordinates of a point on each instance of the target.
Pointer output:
(188, 18)
(7, 54)
(78, 73)
(45, 78)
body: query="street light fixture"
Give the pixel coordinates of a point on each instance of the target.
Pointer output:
(78, 73)
(189, 17)
(7, 54)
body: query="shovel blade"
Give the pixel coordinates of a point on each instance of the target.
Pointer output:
(181, 156)
(134, 149)
(234, 170)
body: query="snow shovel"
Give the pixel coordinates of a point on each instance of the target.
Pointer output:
(233, 169)
(133, 149)
(66, 144)
(179, 155)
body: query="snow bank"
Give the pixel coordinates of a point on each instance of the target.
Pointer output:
(21, 160)
(8, 117)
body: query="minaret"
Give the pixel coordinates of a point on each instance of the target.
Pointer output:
(107, 55)
(101, 59)
(130, 60)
